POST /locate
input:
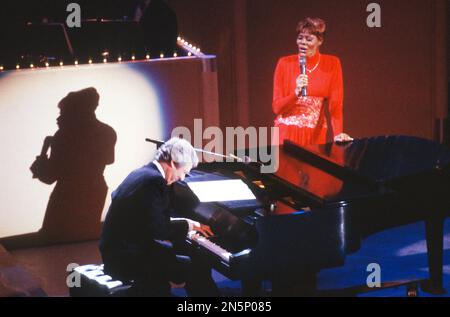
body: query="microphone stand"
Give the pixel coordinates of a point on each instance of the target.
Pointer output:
(246, 159)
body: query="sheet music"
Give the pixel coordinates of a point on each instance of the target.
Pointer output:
(221, 190)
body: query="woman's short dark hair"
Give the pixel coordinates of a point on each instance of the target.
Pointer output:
(315, 26)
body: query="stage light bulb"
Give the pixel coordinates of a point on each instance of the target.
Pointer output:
(61, 63)
(105, 60)
(17, 66)
(119, 59)
(76, 62)
(47, 64)
(179, 38)
(161, 55)
(189, 54)
(1, 68)
(31, 65)
(175, 54)
(133, 57)
(147, 56)
(90, 61)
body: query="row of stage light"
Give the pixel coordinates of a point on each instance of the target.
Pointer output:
(191, 49)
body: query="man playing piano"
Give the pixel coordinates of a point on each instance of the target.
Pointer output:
(138, 236)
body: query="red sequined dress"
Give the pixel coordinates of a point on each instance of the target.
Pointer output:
(302, 120)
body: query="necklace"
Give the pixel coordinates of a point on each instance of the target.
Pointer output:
(314, 68)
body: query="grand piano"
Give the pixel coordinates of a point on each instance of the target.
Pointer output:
(317, 207)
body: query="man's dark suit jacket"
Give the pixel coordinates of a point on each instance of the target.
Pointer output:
(138, 215)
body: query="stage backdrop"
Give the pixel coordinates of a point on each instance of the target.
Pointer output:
(137, 100)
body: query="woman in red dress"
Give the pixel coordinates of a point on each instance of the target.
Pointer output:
(301, 118)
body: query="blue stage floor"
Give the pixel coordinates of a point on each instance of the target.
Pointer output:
(400, 252)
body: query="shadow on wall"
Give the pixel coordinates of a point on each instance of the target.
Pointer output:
(79, 152)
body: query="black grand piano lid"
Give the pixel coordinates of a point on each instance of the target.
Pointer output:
(384, 158)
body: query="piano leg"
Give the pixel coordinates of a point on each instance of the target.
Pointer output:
(435, 243)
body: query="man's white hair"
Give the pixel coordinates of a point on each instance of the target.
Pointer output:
(177, 150)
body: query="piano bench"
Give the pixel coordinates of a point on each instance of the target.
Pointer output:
(91, 281)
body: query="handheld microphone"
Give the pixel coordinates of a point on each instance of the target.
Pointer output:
(302, 61)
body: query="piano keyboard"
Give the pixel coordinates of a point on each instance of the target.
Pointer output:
(214, 248)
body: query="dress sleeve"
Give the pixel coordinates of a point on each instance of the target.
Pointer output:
(283, 99)
(336, 101)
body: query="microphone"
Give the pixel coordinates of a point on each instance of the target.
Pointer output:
(302, 61)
